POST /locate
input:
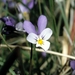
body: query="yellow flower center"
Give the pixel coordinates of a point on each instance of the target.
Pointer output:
(40, 41)
(25, 15)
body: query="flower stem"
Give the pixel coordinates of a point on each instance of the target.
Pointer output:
(31, 52)
(5, 42)
(21, 64)
(39, 7)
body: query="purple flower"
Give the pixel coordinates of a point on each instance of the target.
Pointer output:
(39, 36)
(30, 28)
(44, 54)
(9, 21)
(72, 64)
(11, 4)
(4, 1)
(22, 8)
(30, 4)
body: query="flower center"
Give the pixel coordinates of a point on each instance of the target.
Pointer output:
(40, 41)
(25, 14)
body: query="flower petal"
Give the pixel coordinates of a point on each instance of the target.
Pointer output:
(31, 4)
(20, 16)
(19, 27)
(24, 1)
(32, 38)
(45, 46)
(4, 1)
(72, 64)
(44, 54)
(8, 20)
(11, 4)
(46, 34)
(29, 27)
(22, 8)
(42, 22)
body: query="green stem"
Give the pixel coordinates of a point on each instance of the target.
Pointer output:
(53, 21)
(25, 40)
(37, 63)
(39, 7)
(21, 64)
(64, 18)
(31, 59)
(59, 25)
(6, 8)
(8, 13)
(5, 42)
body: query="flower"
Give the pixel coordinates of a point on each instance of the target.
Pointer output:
(4, 1)
(9, 21)
(44, 54)
(40, 36)
(72, 64)
(19, 27)
(23, 9)
(11, 24)
(10, 3)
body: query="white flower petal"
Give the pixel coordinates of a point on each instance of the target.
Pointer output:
(20, 16)
(46, 34)
(22, 8)
(19, 27)
(32, 38)
(45, 46)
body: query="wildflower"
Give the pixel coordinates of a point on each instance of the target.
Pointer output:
(10, 3)
(9, 21)
(4, 1)
(72, 64)
(44, 54)
(9, 25)
(40, 36)
(19, 27)
(23, 9)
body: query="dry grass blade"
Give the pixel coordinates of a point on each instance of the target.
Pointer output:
(40, 50)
